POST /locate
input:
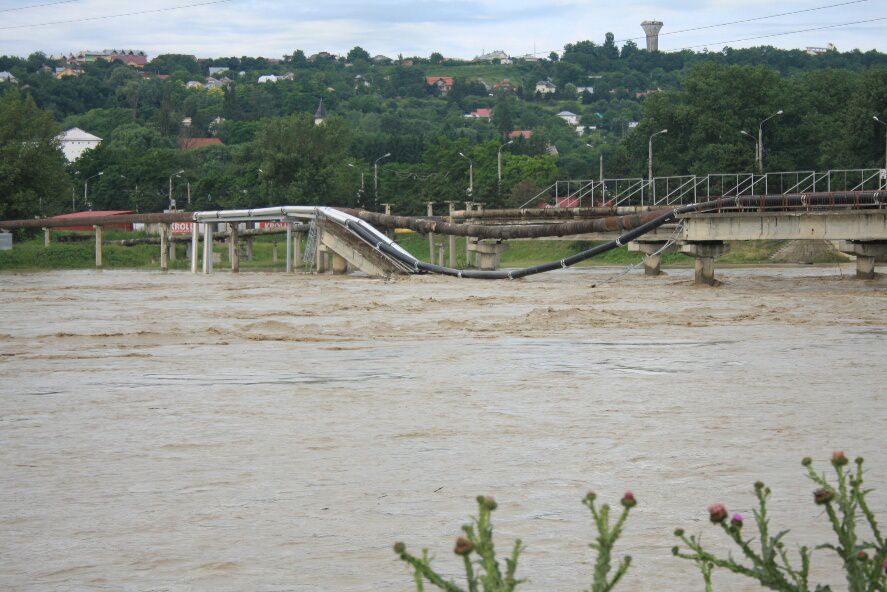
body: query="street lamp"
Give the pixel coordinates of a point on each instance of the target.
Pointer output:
(761, 141)
(470, 174)
(86, 185)
(601, 167)
(753, 139)
(170, 185)
(361, 192)
(499, 158)
(376, 177)
(650, 154)
(875, 117)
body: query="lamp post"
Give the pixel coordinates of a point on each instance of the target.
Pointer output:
(752, 138)
(470, 174)
(600, 166)
(761, 141)
(875, 117)
(170, 185)
(650, 154)
(361, 191)
(499, 159)
(86, 186)
(376, 177)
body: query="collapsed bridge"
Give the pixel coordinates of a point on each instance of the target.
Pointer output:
(342, 238)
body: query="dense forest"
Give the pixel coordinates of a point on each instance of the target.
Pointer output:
(271, 151)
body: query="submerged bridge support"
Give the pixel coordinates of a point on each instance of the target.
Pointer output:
(866, 253)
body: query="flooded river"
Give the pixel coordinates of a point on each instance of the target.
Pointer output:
(271, 432)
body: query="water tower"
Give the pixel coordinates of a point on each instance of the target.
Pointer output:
(651, 28)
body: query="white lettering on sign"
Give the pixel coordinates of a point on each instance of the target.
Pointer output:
(272, 225)
(181, 227)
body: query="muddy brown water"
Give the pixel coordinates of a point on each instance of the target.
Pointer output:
(270, 432)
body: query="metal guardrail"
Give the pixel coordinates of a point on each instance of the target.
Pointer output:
(691, 189)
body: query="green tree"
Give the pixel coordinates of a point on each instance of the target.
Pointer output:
(32, 174)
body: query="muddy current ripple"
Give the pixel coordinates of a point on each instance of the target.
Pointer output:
(271, 432)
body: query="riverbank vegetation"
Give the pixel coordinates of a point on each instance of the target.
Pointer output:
(76, 250)
(762, 556)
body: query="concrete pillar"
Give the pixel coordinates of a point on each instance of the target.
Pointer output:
(46, 237)
(98, 247)
(164, 247)
(289, 247)
(172, 249)
(468, 207)
(297, 249)
(208, 248)
(194, 244)
(705, 253)
(866, 254)
(489, 254)
(390, 231)
(232, 248)
(339, 265)
(652, 252)
(430, 205)
(274, 252)
(249, 248)
(440, 254)
(452, 239)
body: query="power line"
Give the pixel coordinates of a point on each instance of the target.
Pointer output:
(748, 20)
(883, 18)
(111, 16)
(37, 5)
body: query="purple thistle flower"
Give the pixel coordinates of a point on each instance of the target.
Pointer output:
(736, 520)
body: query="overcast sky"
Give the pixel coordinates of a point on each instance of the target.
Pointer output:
(456, 28)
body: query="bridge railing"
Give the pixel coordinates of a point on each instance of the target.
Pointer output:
(688, 189)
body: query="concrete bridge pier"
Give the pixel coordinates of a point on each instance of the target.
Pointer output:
(705, 253)
(489, 254)
(233, 253)
(866, 253)
(164, 247)
(194, 245)
(339, 265)
(98, 247)
(652, 251)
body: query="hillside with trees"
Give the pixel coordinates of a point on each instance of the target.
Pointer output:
(267, 148)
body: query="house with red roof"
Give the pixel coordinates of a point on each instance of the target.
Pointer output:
(525, 134)
(192, 143)
(443, 84)
(480, 114)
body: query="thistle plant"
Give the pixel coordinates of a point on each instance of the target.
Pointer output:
(476, 548)
(482, 570)
(606, 540)
(768, 561)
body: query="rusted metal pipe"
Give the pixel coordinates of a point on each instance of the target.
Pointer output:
(503, 232)
(98, 220)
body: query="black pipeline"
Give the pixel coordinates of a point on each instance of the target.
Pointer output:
(855, 199)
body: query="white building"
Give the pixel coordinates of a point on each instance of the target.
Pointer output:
(7, 77)
(75, 142)
(494, 55)
(274, 78)
(582, 89)
(569, 117)
(545, 87)
(214, 70)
